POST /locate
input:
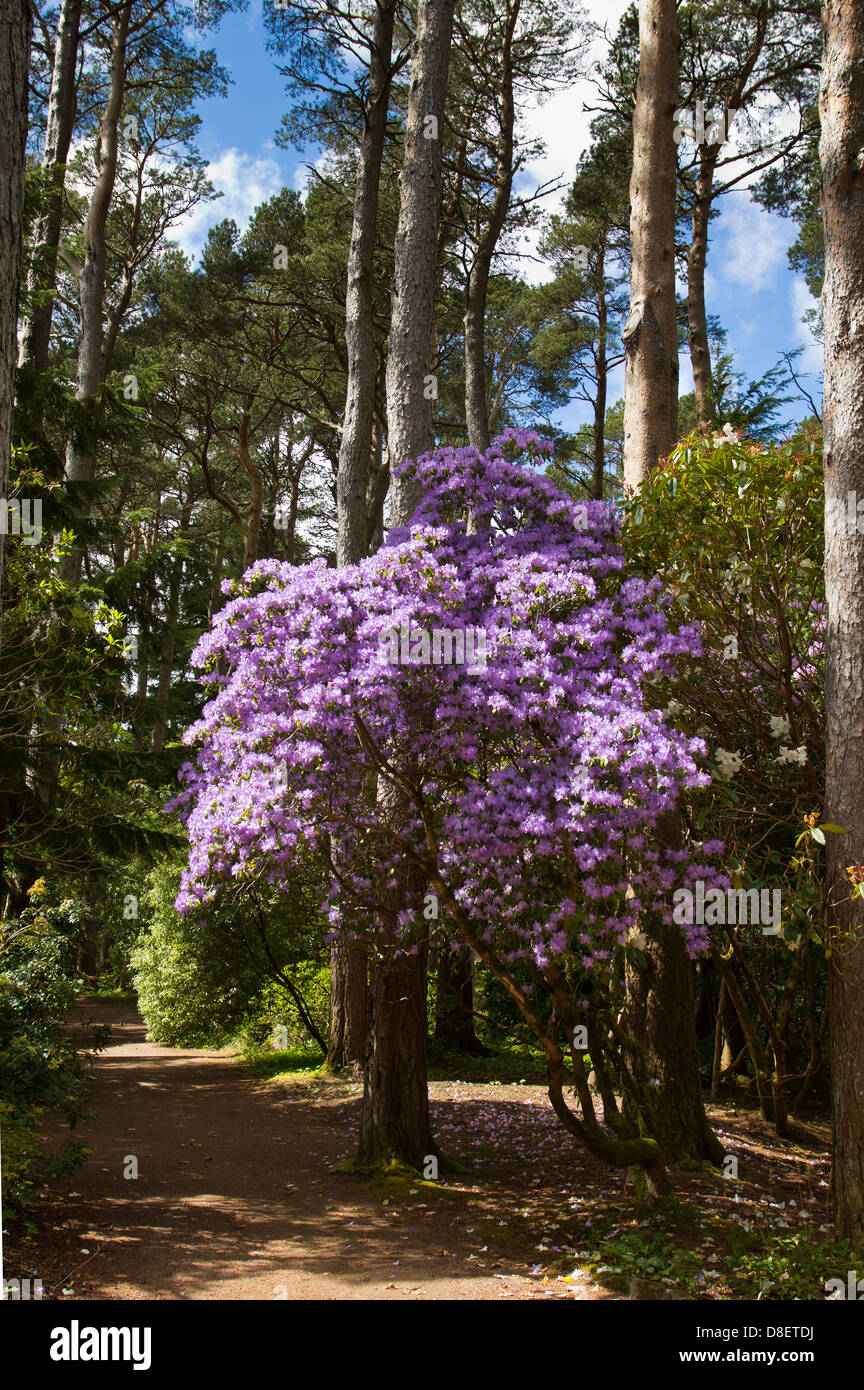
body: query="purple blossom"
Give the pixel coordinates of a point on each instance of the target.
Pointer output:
(529, 787)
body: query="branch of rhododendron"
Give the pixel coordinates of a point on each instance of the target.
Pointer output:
(583, 1090)
(621, 1152)
(560, 991)
(380, 761)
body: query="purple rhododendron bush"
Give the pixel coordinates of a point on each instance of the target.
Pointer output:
(459, 725)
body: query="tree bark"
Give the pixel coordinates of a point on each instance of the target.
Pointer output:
(651, 333)
(697, 317)
(842, 157)
(454, 1007)
(411, 347)
(602, 371)
(348, 961)
(92, 362)
(395, 1116)
(36, 332)
(166, 660)
(348, 1005)
(660, 997)
(660, 1014)
(14, 69)
(477, 288)
(355, 450)
(394, 1121)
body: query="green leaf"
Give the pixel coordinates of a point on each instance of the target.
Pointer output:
(817, 835)
(833, 829)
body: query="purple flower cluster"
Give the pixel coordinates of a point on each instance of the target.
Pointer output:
(529, 787)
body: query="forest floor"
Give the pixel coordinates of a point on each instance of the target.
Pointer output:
(238, 1197)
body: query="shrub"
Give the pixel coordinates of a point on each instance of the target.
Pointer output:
(39, 1067)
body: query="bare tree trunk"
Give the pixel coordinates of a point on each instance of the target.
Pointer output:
(411, 348)
(92, 363)
(395, 1115)
(348, 961)
(394, 1121)
(14, 67)
(651, 332)
(454, 1015)
(477, 288)
(660, 997)
(348, 1005)
(602, 372)
(454, 1004)
(697, 318)
(166, 660)
(242, 453)
(842, 143)
(36, 333)
(717, 1056)
(379, 482)
(356, 446)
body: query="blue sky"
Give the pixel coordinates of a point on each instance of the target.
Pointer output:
(750, 288)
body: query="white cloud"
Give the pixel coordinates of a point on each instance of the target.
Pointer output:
(563, 124)
(244, 181)
(750, 244)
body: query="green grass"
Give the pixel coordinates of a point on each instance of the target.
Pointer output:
(293, 1062)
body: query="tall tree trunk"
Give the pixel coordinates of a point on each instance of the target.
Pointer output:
(395, 1116)
(394, 1121)
(242, 453)
(348, 961)
(411, 348)
(14, 68)
(36, 334)
(92, 362)
(602, 371)
(477, 288)
(348, 1005)
(356, 447)
(660, 997)
(842, 143)
(651, 332)
(454, 1000)
(166, 660)
(697, 318)
(379, 483)
(660, 1014)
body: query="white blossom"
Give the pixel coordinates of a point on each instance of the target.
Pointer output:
(730, 763)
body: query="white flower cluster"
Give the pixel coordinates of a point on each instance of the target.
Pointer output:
(730, 763)
(793, 755)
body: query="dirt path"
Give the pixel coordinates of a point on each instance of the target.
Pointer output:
(234, 1198)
